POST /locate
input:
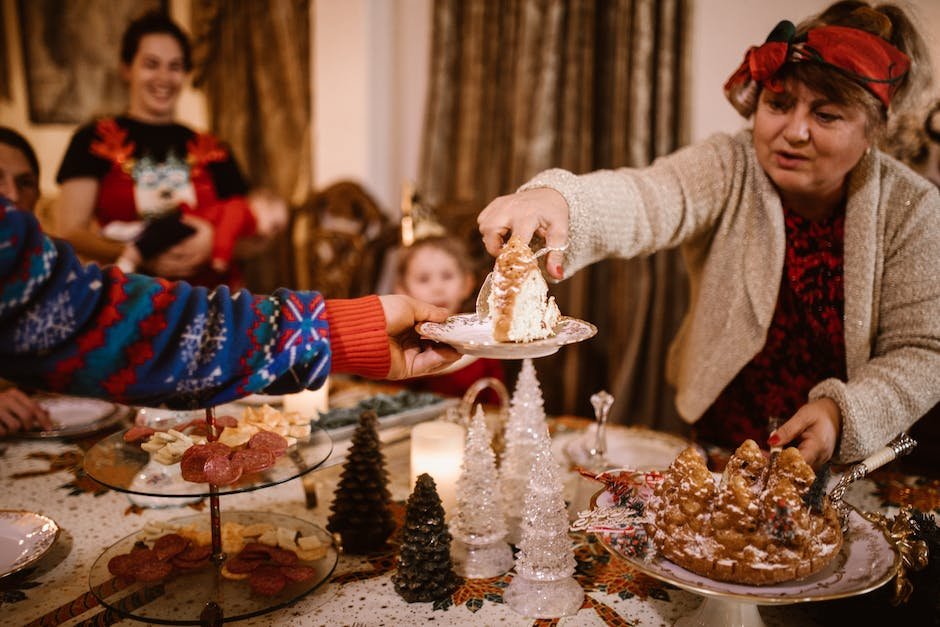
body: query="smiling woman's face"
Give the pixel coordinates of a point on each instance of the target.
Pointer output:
(156, 77)
(807, 144)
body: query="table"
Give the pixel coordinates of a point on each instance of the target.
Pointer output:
(45, 476)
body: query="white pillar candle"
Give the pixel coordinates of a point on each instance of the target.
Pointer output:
(308, 403)
(437, 449)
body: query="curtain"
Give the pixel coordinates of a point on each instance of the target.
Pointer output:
(6, 89)
(518, 86)
(253, 61)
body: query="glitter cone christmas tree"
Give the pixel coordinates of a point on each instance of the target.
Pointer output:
(526, 421)
(543, 586)
(480, 549)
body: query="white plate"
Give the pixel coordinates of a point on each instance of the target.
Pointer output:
(866, 561)
(627, 447)
(74, 415)
(24, 538)
(472, 336)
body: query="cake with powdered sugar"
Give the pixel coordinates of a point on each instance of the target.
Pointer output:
(519, 306)
(755, 526)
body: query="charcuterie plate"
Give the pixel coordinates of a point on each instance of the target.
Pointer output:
(178, 591)
(124, 466)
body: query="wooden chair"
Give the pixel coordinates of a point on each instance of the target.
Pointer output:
(339, 238)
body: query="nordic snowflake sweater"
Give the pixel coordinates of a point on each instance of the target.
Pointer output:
(94, 331)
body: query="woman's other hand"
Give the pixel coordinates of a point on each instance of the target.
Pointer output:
(187, 257)
(18, 412)
(814, 429)
(412, 356)
(541, 211)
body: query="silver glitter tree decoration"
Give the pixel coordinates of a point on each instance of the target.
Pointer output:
(543, 586)
(479, 549)
(526, 422)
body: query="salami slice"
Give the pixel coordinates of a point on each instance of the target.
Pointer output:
(169, 545)
(187, 564)
(255, 550)
(241, 566)
(254, 459)
(222, 470)
(226, 421)
(152, 570)
(194, 468)
(207, 450)
(144, 555)
(267, 580)
(122, 565)
(268, 440)
(138, 433)
(283, 557)
(297, 572)
(195, 553)
(193, 461)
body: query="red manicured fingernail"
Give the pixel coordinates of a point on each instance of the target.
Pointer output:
(558, 270)
(774, 439)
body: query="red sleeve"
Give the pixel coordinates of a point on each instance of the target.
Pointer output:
(358, 339)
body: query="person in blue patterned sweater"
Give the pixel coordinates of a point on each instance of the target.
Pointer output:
(93, 331)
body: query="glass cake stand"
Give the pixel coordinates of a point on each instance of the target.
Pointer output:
(204, 596)
(866, 561)
(181, 598)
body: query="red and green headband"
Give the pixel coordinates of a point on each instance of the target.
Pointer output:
(859, 55)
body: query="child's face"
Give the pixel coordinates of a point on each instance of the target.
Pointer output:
(435, 277)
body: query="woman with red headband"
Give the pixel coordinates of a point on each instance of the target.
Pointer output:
(813, 257)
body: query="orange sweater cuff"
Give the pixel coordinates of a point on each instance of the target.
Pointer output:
(358, 339)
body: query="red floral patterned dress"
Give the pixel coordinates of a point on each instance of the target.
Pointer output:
(805, 343)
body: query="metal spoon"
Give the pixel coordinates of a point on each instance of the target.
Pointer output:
(898, 447)
(483, 297)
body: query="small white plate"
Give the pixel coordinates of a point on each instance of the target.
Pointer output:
(74, 416)
(627, 447)
(24, 538)
(471, 336)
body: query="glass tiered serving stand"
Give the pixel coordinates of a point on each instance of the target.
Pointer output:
(202, 597)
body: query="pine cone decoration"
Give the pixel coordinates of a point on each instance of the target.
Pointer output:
(425, 571)
(361, 512)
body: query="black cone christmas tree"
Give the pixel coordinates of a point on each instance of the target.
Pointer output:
(425, 571)
(360, 511)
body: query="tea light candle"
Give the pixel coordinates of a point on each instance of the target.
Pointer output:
(308, 403)
(437, 449)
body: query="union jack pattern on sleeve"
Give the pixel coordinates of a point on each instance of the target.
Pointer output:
(94, 331)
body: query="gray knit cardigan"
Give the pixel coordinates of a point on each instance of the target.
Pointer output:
(716, 201)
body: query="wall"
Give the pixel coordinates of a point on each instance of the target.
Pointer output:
(719, 44)
(370, 65)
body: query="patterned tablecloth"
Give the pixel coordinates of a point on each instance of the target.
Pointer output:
(46, 476)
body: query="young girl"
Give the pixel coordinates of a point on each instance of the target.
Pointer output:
(438, 270)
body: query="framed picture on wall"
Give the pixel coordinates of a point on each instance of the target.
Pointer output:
(71, 56)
